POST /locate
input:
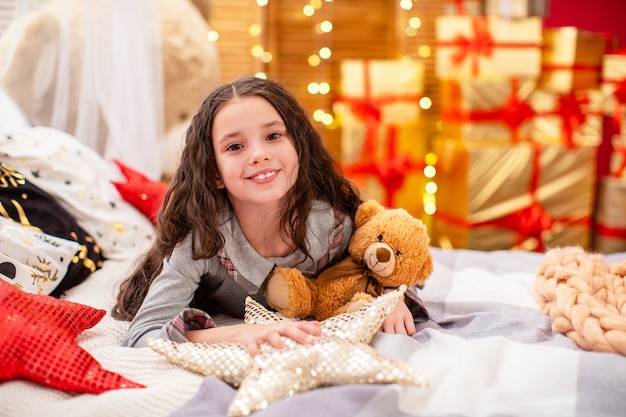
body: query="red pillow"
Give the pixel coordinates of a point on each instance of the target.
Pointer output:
(145, 194)
(38, 343)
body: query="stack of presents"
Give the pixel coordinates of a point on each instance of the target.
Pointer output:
(531, 153)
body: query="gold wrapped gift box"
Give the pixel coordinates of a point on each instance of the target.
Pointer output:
(383, 140)
(488, 47)
(494, 196)
(514, 9)
(512, 110)
(376, 94)
(572, 59)
(573, 119)
(393, 173)
(610, 228)
(486, 109)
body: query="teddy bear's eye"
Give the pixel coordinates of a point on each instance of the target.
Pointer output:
(380, 238)
(398, 253)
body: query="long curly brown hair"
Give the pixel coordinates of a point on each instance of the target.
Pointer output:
(193, 201)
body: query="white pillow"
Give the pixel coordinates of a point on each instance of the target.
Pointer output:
(80, 180)
(11, 116)
(37, 262)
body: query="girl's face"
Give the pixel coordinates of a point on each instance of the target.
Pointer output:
(256, 160)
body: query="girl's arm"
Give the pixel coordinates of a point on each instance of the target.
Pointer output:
(170, 294)
(253, 335)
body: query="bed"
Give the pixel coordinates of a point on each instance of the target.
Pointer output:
(488, 349)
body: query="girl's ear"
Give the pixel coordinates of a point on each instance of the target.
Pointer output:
(219, 183)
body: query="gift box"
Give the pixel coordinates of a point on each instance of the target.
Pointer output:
(610, 228)
(376, 94)
(514, 9)
(464, 7)
(487, 109)
(488, 47)
(573, 119)
(383, 140)
(394, 173)
(496, 196)
(572, 59)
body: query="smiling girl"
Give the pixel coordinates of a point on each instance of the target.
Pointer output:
(256, 188)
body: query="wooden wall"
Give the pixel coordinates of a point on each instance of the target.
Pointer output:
(364, 29)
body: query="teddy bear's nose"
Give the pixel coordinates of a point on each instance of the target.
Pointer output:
(383, 255)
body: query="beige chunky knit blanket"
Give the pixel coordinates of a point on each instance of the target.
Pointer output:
(585, 298)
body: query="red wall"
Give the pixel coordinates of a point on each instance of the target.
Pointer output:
(594, 15)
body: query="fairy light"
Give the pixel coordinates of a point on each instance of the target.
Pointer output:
(213, 36)
(425, 103)
(325, 52)
(254, 30)
(406, 4)
(326, 26)
(429, 201)
(415, 22)
(266, 57)
(314, 60)
(262, 3)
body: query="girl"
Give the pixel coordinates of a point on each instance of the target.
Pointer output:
(256, 188)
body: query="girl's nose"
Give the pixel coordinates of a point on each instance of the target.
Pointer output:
(260, 153)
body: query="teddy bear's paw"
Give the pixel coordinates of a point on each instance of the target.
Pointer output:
(289, 292)
(358, 300)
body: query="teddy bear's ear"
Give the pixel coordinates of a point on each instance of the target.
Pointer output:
(366, 210)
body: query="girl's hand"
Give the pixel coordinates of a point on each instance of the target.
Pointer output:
(252, 335)
(400, 321)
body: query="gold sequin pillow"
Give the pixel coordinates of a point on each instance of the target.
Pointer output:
(34, 209)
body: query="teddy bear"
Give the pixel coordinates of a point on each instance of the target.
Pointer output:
(389, 248)
(60, 64)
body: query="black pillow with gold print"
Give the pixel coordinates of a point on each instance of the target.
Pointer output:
(29, 205)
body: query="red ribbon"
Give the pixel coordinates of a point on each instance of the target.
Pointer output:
(530, 221)
(569, 108)
(573, 67)
(479, 44)
(614, 232)
(513, 113)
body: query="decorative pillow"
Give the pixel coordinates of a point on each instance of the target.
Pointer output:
(81, 181)
(32, 260)
(32, 207)
(140, 191)
(38, 343)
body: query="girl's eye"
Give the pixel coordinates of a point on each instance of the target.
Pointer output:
(274, 136)
(233, 147)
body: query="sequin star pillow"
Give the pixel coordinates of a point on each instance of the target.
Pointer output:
(32, 260)
(79, 179)
(38, 343)
(34, 209)
(342, 356)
